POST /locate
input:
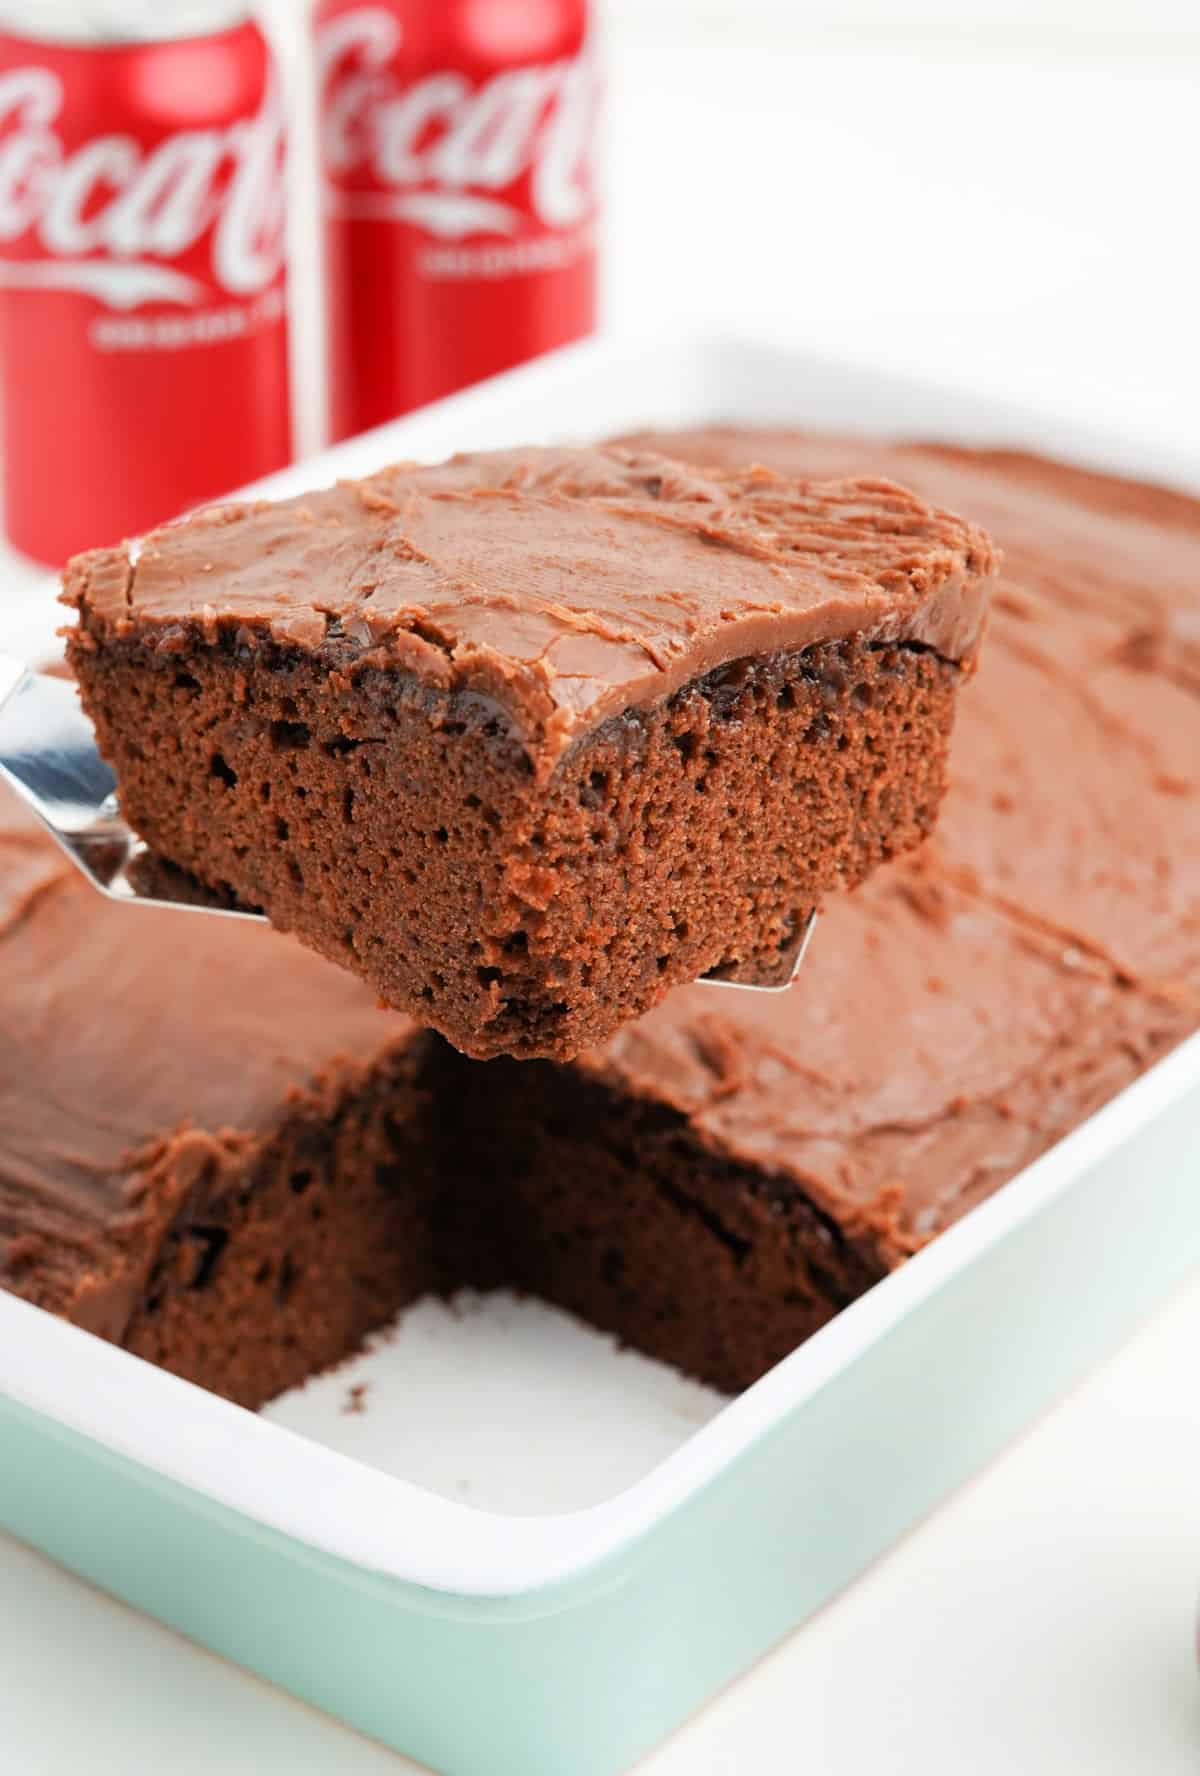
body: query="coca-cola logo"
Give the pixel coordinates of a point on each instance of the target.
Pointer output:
(108, 217)
(440, 151)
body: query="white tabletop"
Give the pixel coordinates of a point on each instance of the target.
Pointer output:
(1024, 222)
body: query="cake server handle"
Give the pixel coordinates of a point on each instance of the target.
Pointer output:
(48, 755)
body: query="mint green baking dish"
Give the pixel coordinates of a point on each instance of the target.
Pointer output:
(494, 1646)
(489, 1645)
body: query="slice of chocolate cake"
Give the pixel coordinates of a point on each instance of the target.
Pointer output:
(529, 738)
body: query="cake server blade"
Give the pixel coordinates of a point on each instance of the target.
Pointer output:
(775, 977)
(49, 756)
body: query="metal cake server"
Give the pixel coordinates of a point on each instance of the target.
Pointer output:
(48, 754)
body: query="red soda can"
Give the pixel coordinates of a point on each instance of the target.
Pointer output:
(457, 143)
(143, 326)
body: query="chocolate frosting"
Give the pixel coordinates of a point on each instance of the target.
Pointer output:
(564, 584)
(954, 1018)
(965, 1009)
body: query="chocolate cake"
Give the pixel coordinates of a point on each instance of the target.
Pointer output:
(186, 1166)
(213, 1148)
(527, 739)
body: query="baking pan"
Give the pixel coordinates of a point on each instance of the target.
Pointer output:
(555, 1593)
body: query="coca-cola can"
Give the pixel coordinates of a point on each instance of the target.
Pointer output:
(457, 145)
(143, 326)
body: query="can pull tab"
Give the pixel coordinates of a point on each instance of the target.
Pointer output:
(120, 21)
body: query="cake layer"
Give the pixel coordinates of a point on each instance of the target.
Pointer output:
(482, 733)
(408, 842)
(722, 1176)
(164, 1083)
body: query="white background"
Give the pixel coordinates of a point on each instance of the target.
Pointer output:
(1002, 194)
